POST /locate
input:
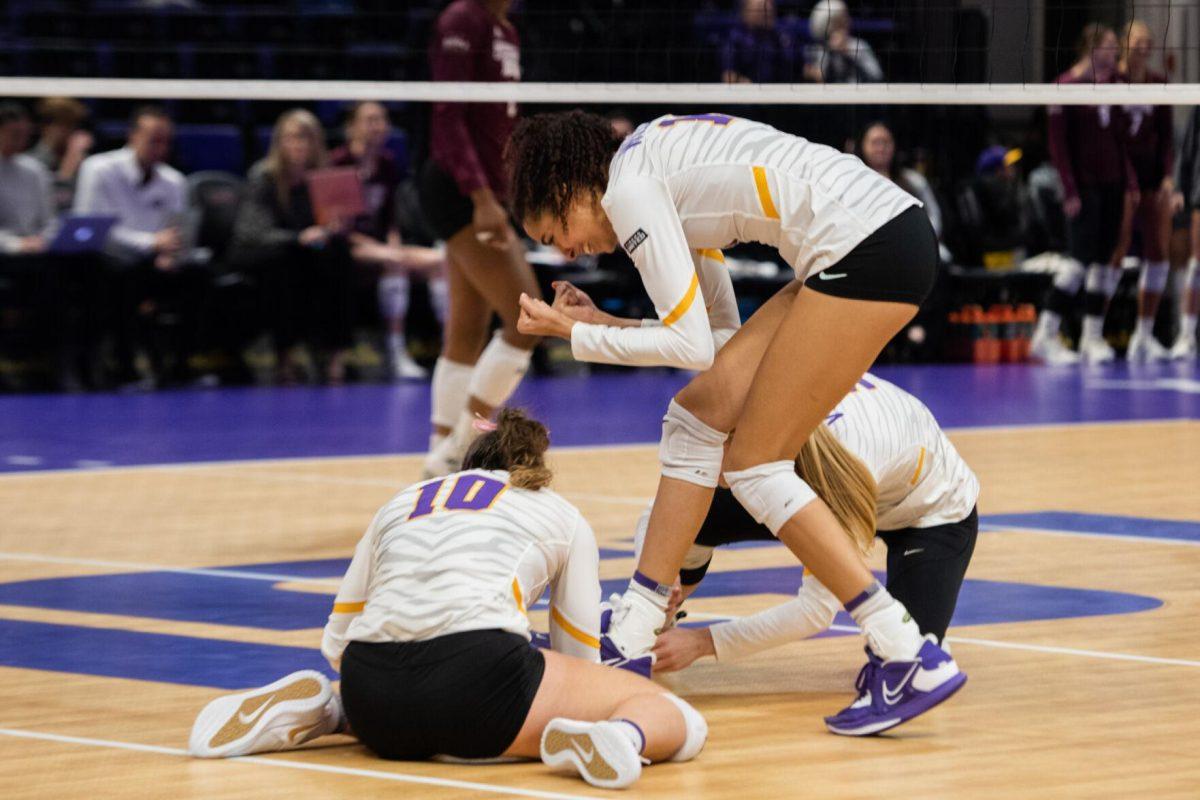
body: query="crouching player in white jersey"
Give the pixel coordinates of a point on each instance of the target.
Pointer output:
(430, 634)
(884, 468)
(867, 257)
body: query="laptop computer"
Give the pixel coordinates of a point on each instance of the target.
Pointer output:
(83, 233)
(336, 193)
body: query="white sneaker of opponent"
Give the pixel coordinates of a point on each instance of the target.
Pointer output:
(600, 752)
(1184, 348)
(444, 457)
(1051, 351)
(1145, 349)
(282, 716)
(405, 368)
(1095, 350)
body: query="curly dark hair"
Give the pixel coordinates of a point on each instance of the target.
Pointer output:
(552, 157)
(518, 445)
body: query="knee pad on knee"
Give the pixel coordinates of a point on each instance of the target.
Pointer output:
(690, 450)
(449, 391)
(498, 371)
(1069, 277)
(771, 493)
(696, 727)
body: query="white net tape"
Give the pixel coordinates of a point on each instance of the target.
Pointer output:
(710, 94)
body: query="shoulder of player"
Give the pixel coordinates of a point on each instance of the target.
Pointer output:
(462, 18)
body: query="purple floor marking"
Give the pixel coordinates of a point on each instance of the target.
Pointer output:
(70, 431)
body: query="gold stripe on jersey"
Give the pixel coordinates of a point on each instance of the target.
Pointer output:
(920, 466)
(517, 596)
(678, 311)
(349, 608)
(714, 254)
(764, 193)
(572, 631)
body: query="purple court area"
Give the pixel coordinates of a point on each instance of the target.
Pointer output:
(97, 430)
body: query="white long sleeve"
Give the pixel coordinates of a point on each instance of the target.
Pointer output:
(643, 215)
(575, 598)
(350, 601)
(810, 613)
(717, 286)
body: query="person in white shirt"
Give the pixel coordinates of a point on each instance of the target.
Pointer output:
(886, 468)
(145, 249)
(866, 256)
(27, 219)
(430, 632)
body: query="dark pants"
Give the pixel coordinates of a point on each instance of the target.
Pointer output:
(307, 295)
(925, 566)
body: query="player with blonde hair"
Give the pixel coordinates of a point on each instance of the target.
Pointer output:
(884, 468)
(431, 636)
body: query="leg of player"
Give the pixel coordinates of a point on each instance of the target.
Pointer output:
(691, 451)
(1185, 342)
(499, 277)
(1154, 216)
(1047, 345)
(465, 331)
(822, 348)
(604, 733)
(394, 292)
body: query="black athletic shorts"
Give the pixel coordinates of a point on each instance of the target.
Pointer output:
(1092, 235)
(925, 566)
(896, 263)
(463, 694)
(446, 209)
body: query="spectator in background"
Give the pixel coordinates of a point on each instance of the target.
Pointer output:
(835, 56)
(621, 124)
(877, 147)
(1188, 199)
(1087, 146)
(145, 248)
(993, 208)
(305, 269)
(27, 215)
(756, 50)
(375, 238)
(63, 144)
(1149, 141)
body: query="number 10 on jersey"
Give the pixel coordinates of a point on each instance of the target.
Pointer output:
(470, 492)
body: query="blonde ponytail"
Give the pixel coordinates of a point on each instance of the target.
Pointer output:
(843, 482)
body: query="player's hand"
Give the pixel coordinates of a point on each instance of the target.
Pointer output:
(673, 603)
(1176, 202)
(168, 241)
(31, 244)
(539, 319)
(678, 647)
(490, 220)
(314, 236)
(1072, 206)
(574, 302)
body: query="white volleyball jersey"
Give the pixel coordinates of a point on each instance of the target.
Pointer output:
(922, 479)
(678, 185)
(470, 552)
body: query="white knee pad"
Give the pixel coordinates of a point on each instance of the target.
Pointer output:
(772, 493)
(1069, 276)
(697, 730)
(449, 392)
(498, 371)
(689, 449)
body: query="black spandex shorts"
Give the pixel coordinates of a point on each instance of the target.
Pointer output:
(446, 209)
(464, 694)
(1092, 235)
(925, 566)
(896, 263)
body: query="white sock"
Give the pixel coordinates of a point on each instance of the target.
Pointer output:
(633, 731)
(1093, 327)
(1144, 327)
(396, 344)
(449, 392)
(1188, 325)
(394, 293)
(889, 628)
(1112, 280)
(1048, 324)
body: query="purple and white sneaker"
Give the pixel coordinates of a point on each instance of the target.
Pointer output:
(610, 654)
(893, 692)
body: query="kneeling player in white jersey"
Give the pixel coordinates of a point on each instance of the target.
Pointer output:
(885, 468)
(430, 634)
(867, 257)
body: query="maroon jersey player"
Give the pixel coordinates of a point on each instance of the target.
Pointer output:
(463, 189)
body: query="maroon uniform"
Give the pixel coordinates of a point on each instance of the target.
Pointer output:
(1087, 145)
(1149, 138)
(379, 192)
(468, 139)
